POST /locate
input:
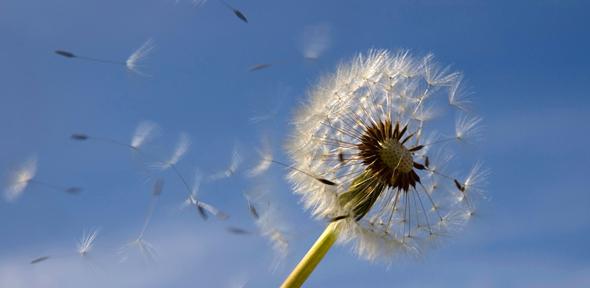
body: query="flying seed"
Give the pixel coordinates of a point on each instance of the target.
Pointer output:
(40, 259)
(73, 190)
(237, 231)
(253, 210)
(259, 67)
(202, 212)
(240, 15)
(65, 53)
(79, 136)
(158, 186)
(459, 186)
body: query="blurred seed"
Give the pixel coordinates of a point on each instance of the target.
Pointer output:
(65, 53)
(202, 212)
(259, 67)
(158, 186)
(253, 210)
(73, 190)
(40, 259)
(238, 231)
(79, 136)
(459, 186)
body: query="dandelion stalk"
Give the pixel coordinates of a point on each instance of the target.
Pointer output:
(313, 257)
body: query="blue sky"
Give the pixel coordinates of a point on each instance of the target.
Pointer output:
(526, 63)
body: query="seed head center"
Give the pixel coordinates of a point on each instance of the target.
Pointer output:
(396, 156)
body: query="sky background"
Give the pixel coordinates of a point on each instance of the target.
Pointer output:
(526, 62)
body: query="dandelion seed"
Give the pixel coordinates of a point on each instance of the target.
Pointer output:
(274, 110)
(145, 248)
(316, 40)
(269, 222)
(253, 210)
(266, 159)
(457, 96)
(40, 259)
(65, 53)
(360, 138)
(143, 133)
(86, 243)
(79, 136)
(73, 190)
(236, 160)
(198, 3)
(238, 231)
(236, 12)
(20, 178)
(259, 67)
(71, 55)
(467, 127)
(181, 149)
(202, 208)
(133, 63)
(271, 229)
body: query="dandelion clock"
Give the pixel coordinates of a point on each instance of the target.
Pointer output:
(373, 152)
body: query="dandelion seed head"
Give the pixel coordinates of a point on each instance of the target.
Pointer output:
(370, 148)
(133, 63)
(20, 179)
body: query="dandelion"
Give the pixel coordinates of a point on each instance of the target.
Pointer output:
(365, 151)
(20, 179)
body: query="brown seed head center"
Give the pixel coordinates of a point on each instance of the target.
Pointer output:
(396, 156)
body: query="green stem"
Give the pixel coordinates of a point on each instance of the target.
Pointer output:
(312, 258)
